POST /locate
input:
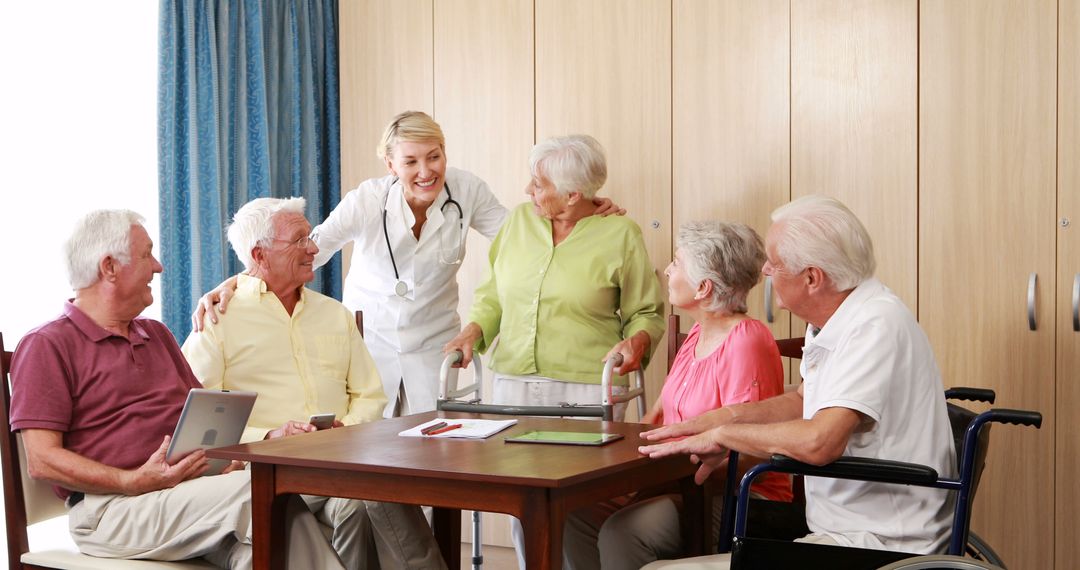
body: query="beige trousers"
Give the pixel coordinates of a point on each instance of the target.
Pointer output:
(206, 517)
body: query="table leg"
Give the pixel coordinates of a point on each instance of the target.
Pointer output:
(696, 517)
(267, 520)
(447, 523)
(543, 529)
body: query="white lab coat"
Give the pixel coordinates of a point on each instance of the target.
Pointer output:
(406, 334)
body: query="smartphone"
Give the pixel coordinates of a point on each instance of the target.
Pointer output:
(322, 421)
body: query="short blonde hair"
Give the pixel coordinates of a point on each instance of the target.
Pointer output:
(410, 126)
(574, 163)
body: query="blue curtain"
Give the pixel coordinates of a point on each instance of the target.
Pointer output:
(247, 108)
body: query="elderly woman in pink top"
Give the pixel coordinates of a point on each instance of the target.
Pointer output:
(727, 358)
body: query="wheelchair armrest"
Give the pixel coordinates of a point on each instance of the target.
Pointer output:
(861, 469)
(971, 394)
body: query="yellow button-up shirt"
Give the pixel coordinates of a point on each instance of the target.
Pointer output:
(313, 361)
(560, 309)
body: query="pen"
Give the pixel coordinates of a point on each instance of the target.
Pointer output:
(443, 429)
(433, 427)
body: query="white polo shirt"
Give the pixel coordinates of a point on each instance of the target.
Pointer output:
(872, 357)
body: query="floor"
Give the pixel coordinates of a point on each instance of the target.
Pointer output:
(495, 557)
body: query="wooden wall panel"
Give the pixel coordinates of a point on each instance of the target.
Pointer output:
(1067, 461)
(986, 221)
(731, 131)
(386, 68)
(854, 124)
(484, 102)
(603, 67)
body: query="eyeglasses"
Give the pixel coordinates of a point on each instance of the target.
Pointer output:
(302, 243)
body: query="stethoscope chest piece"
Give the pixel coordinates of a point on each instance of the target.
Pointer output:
(401, 289)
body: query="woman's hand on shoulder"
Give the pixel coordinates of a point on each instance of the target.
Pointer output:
(606, 207)
(205, 306)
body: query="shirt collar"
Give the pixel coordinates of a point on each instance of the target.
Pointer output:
(834, 328)
(250, 285)
(95, 332)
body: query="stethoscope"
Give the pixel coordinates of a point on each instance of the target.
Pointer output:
(401, 288)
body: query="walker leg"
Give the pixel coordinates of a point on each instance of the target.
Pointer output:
(477, 556)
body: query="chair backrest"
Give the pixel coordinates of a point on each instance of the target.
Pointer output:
(26, 501)
(360, 322)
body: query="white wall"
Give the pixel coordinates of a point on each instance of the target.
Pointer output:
(78, 112)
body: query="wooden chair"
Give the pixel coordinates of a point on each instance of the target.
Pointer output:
(27, 502)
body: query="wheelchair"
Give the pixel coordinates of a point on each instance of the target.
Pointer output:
(971, 437)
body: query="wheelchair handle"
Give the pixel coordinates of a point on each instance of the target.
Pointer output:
(1016, 417)
(971, 394)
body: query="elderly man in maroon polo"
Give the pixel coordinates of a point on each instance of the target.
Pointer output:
(96, 393)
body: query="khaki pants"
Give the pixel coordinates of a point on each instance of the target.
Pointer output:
(206, 517)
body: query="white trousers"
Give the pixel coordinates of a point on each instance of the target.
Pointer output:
(535, 391)
(721, 561)
(206, 517)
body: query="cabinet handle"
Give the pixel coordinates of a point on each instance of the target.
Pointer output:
(768, 299)
(1032, 280)
(1076, 303)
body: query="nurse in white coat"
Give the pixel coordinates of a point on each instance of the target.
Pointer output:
(409, 231)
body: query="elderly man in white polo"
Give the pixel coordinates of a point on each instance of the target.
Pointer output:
(871, 388)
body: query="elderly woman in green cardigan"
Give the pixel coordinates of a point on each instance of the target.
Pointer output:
(565, 290)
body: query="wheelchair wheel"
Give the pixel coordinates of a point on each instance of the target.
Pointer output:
(936, 562)
(978, 549)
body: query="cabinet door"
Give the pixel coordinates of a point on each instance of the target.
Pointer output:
(603, 68)
(987, 123)
(731, 143)
(1067, 501)
(385, 69)
(854, 83)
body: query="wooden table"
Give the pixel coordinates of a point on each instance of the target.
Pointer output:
(539, 484)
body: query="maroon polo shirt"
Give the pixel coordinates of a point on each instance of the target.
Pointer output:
(113, 398)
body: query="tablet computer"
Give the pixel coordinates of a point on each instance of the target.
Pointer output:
(564, 437)
(211, 418)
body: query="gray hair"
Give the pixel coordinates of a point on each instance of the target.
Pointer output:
(728, 255)
(572, 163)
(253, 225)
(822, 232)
(99, 234)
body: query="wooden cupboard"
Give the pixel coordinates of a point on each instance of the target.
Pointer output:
(951, 127)
(986, 226)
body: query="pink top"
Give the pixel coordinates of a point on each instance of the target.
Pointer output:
(113, 398)
(746, 367)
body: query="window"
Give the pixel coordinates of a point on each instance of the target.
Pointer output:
(79, 118)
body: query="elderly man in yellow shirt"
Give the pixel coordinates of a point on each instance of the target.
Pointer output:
(301, 351)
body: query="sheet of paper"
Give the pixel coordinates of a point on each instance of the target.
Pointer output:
(470, 429)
